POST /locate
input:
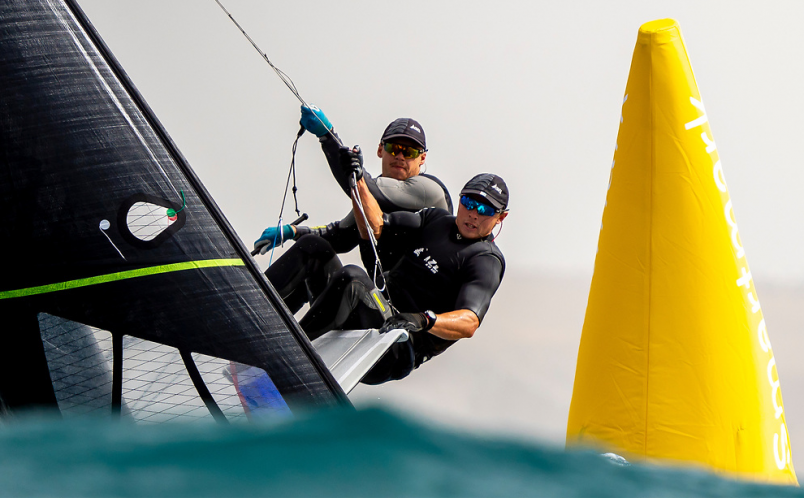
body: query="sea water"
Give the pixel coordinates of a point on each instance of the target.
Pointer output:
(339, 453)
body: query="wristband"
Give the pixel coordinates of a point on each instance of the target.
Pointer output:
(431, 319)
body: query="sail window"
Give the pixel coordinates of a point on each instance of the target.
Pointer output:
(156, 383)
(241, 391)
(79, 359)
(146, 220)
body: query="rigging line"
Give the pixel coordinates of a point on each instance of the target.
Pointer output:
(377, 263)
(278, 233)
(293, 170)
(292, 87)
(282, 75)
(291, 173)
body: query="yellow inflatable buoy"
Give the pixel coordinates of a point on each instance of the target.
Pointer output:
(675, 362)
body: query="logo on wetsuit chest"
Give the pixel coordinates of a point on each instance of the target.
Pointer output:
(428, 261)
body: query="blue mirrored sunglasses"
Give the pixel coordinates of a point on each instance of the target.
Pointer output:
(482, 209)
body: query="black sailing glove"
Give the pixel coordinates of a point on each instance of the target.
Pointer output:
(351, 161)
(412, 322)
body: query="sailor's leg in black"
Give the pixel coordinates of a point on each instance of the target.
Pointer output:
(397, 364)
(350, 301)
(301, 274)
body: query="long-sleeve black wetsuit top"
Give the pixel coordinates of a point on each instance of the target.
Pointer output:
(413, 194)
(439, 270)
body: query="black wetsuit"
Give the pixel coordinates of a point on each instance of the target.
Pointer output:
(417, 192)
(303, 271)
(438, 270)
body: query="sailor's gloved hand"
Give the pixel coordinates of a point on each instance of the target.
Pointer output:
(273, 236)
(351, 161)
(412, 322)
(318, 126)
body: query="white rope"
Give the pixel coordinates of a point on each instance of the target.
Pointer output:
(292, 87)
(284, 77)
(377, 264)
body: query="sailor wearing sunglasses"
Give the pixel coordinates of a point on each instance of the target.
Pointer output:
(402, 152)
(301, 273)
(442, 284)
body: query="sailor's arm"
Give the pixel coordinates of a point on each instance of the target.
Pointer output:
(463, 322)
(342, 235)
(484, 274)
(372, 211)
(415, 193)
(316, 122)
(454, 325)
(331, 149)
(451, 325)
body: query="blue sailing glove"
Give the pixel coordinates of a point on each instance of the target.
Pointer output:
(312, 123)
(271, 237)
(351, 161)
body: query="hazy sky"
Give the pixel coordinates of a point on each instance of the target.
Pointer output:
(528, 90)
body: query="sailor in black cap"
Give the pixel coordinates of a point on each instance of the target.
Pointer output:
(442, 285)
(300, 274)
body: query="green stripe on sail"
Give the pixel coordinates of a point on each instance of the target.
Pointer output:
(123, 275)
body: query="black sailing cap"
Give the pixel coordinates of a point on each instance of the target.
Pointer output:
(407, 128)
(490, 187)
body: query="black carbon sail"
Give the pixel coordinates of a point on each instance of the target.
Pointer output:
(125, 290)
